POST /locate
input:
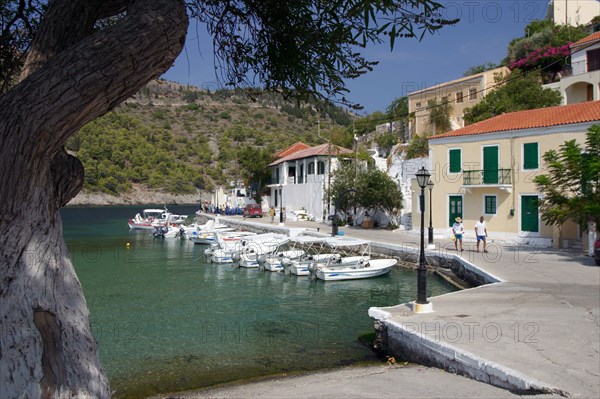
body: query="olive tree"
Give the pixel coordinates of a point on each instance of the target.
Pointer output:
(86, 57)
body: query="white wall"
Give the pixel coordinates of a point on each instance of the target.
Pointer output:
(579, 59)
(574, 12)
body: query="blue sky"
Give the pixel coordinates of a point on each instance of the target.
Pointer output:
(482, 35)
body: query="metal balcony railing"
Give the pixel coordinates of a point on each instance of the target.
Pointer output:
(486, 177)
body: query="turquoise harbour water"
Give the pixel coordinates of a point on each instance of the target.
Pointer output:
(165, 320)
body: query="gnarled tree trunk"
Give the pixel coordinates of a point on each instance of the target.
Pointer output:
(72, 76)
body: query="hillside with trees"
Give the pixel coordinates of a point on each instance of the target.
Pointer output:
(180, 139)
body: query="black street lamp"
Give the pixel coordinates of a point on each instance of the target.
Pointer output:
(281, 205)
(421, 304)
(430, 186)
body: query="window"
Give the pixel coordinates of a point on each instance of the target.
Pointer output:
(418, 105)
(459, 96)
(455, 160)
(489, 205)
(320, 168)
(593, 60)
(277, 175)
(311, 168)
(530, 156)
(472, 94)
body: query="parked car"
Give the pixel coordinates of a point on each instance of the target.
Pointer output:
(597, 251)
(253, 210)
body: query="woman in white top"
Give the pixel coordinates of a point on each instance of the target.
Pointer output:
(458, 230)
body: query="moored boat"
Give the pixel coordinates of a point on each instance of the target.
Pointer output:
(205, 234)
(352, 261)
(358, 270)
(299, 267)
(275, 261)
(254, 247)
(149, 219)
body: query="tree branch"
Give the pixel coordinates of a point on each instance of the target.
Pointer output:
(65, 23)
(111, 8)
(77, 85)
(92, 76)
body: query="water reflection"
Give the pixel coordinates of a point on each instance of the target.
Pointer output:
(165, 319)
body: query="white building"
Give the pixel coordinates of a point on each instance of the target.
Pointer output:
(300, 177)
(584, 83)
(573, 12)
(404, 172)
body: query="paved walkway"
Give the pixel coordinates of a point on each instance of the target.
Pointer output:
(542, 322)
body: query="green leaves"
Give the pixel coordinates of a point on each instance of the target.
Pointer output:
(387, 141)
(307, 47)
(515, 92)
(571, 188)
(374, 189)
(439, 115)
(418, 147)
(117, 150)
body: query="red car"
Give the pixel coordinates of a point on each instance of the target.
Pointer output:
(597, 251)
(253, 210)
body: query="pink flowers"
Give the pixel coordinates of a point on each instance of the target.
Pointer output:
(544, 55)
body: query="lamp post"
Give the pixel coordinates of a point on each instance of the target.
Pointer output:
(421, 305)
(281, 205)
(430, 186)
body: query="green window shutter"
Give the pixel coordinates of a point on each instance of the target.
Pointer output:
(455, 161)
(490, 205)
(530, 156)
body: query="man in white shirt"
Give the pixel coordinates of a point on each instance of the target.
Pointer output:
(458, 230)
(481, 234)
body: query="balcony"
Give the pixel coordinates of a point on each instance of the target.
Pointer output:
(499, 178)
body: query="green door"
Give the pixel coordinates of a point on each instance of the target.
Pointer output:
(455, 202)
(529, 213)
(490, 165)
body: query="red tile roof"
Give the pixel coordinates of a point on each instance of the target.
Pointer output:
(322, 149)
(291, 149)
(536, 118)
(593, 37)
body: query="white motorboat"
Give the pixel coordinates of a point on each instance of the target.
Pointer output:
(149, 219)
(226, 249)
(274, 262)
(177, 219)
(360, 269)
(206, 234)
(253, 247)
(230, 245)
(299, 267)
(315, 250)
(353, 261)
(169, 231)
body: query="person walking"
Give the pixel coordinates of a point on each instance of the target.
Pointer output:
(481, 233)
(458, 229)
(271, 214)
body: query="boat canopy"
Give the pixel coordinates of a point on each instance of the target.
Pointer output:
(340, 241)
(154, 211)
